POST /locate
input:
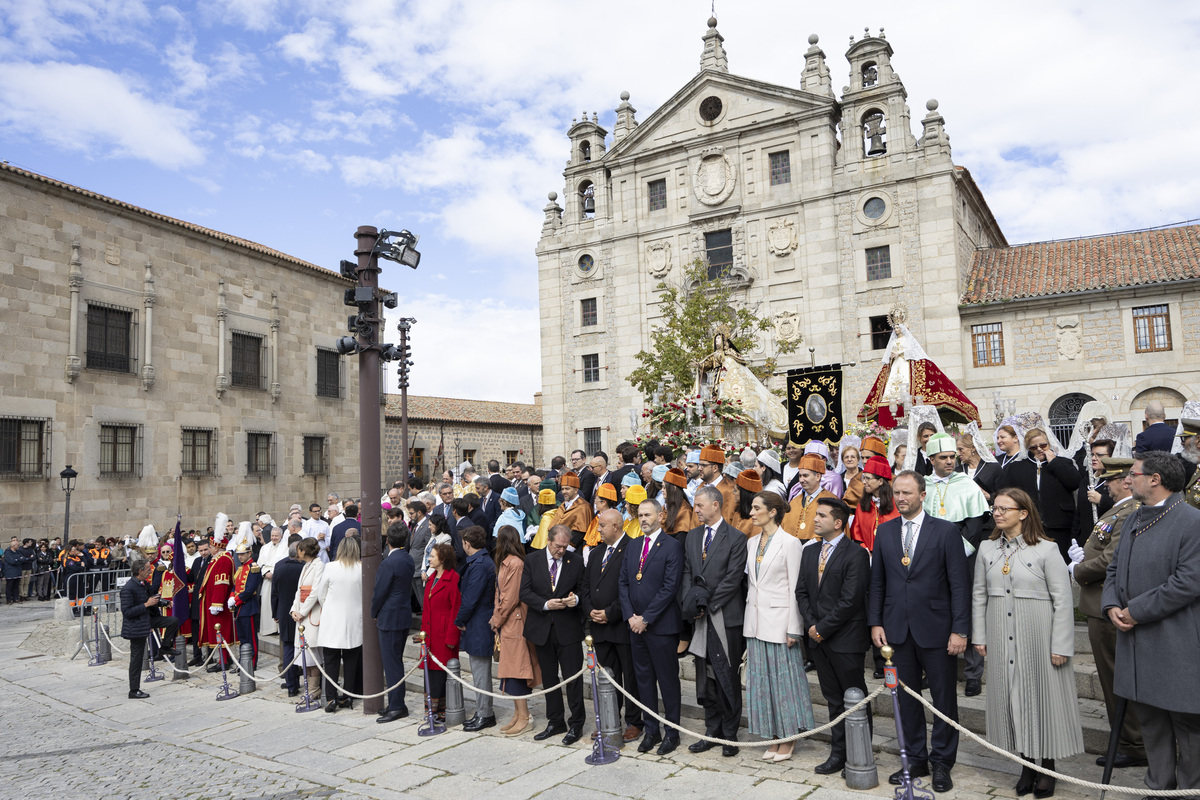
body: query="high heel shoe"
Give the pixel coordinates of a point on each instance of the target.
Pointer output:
(522, 725)
(1025, 782)
(770, 755)
(781, 756)
(331, 707)
(1045, 783)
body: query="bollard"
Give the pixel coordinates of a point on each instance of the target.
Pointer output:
(600, 754)
(861, 772)
(610, 712)
(179, 673)
(246, 656)
(456, 713)
(225, 693)
(430, 727)
(103, 646)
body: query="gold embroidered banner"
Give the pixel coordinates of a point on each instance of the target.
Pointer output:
(814, 404)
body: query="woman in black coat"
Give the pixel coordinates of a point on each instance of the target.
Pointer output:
(1051, 480)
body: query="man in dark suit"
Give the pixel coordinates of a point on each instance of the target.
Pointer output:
(195, 579)
(920, 605)
(391, 609)
(587, 479)
(602, 606)
(832, 596)
(926, 430)
(599, 470)
(553, 588)
(284, 584)
(650, 579)
(343, 529)
(712, 594)
(1158, 435)
(444, 506)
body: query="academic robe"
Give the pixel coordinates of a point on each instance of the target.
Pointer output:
(798, 521)
(577, 517)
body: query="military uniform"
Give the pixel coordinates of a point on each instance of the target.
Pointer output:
(246, 584)
(1191, 491)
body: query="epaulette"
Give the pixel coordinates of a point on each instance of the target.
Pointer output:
(255, 568)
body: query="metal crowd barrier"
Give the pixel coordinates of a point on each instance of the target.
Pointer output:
(96, 593)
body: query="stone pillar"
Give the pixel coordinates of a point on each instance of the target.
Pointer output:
(222, 313)
(75, 282)
(148, 297)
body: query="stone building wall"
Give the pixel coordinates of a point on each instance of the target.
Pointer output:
(489, 441)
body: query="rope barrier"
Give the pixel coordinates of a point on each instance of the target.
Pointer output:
(348, 693)
(237, 663)
(540, 693)
(766, 742)
(111, 642)
(1103, 787)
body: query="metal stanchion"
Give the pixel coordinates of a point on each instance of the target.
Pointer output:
(154, 674)
(95, 660)
(910, 788)
(610, 711)
(226, 693)
(456, 712)
(179, 673)
(246, 684)
(431, 727)
(600, 753)
(308, 704)
(861, 772)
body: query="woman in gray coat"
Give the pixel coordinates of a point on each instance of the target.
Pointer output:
(1024, 609)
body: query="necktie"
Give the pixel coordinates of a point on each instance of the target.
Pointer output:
(646, 548)
(910, 529)
(826, 548)
(604, 561)
(553, 573)
(708, 534)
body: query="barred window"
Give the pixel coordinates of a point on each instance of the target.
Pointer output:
(24, 448)
(718, 247)
(658, 194)
(315, 462)
(249, 361)
(199, 452)
(1152, 328)
(260, 453)
(329, 365)
(587, 312)
(881, 332)
(111, 338)
(121, 451)
(591, 440)
(591, 368)
(879, 262)
(781, 167)
(987, 344)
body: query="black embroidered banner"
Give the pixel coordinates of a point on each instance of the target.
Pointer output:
(814, 404)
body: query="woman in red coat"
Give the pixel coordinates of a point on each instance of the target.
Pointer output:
(442, 599)
(876, 504)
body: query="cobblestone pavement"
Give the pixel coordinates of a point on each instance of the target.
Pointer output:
(70, 732)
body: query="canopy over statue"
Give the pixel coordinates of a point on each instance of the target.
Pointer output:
(909, 377)
(723, 375)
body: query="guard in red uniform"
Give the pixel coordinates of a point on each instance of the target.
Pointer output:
(215, 590)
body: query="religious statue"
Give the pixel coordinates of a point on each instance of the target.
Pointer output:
(723, 375)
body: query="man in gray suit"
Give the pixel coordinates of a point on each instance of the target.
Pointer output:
(1152, 596)
(712, 595)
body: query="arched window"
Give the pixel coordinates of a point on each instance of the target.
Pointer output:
(585, 150)
(874, 133)
(870, 75)
(1064, 413)
(587, 194)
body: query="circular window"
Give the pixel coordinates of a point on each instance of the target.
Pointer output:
(874, 208)
(586, 264)
(710, 108)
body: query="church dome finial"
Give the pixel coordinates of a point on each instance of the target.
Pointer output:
(713, 57)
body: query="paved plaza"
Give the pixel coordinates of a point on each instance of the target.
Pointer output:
(70, 732)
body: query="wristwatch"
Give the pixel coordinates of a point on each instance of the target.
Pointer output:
(963, 635)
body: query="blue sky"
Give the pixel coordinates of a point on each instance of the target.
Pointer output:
(291, 123)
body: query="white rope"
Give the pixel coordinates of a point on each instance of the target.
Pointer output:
(766, 742)
(1103, 787)
(237, 663)
(111, 643)
(540, 693)
(395, 685)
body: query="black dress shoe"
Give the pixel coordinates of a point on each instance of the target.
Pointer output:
(701, 746)
(470, 726)
(974, 687)
(478, 723)
(392, 716)
(914, 771)
(878, 673)
(668, 745)
(138, 695)
(830, 766)
(941, 778)
(809, 666)
(729, 751)
(293, 692)
(331, 707)
(1122, 761)
(551, 730)
(649, 742)
(573, 734)
(213, 668)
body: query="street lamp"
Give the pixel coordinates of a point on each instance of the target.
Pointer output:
(67, 477)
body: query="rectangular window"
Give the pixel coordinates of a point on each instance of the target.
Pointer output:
(881, 332)
(111, 338)
(658, 194)
(587, 312)
(987, 344)
(260, 453)
(199, 451)
(329, 366)
(719, 250)
(591, 440)
(314, 456)
(121, 451)
(510, 456)
(416, 461)
(248, 361)
(1152, 328)
(24, 448)
(781, 168)
(879, 262)
(591, 368)
(468, 456)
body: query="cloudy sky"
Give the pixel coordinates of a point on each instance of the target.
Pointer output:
(292, 122)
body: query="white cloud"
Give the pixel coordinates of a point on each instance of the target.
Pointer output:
(95, 111)
(33, 28)
(310, 45)
(306, 160)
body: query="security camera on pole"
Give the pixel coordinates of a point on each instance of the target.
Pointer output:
(398, 246)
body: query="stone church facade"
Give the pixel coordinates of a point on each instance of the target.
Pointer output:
(176, 368)
(825, 212)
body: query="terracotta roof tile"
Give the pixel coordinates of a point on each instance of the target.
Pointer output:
(1076, 265)
(453, 409)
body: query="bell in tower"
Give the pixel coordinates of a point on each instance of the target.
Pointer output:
(873, 132)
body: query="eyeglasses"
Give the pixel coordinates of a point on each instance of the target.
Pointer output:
(1133, 474)
(1003, 509)
(1042, 446)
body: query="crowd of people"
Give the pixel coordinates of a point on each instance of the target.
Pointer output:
(761, 566)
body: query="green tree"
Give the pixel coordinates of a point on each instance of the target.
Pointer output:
(691, 313)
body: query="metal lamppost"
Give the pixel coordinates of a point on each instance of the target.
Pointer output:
(373, 244)
(67, 476)
(404, 326)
